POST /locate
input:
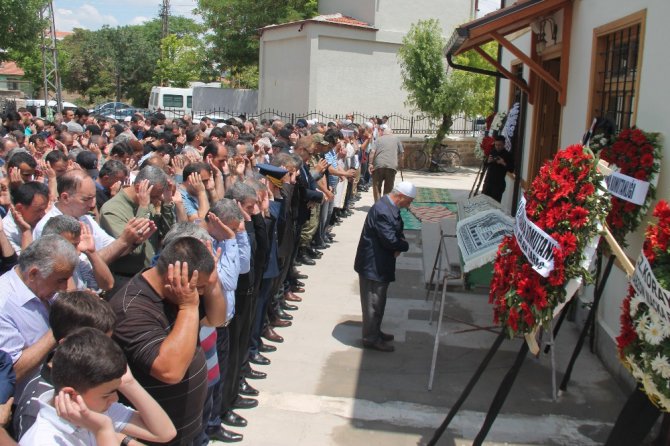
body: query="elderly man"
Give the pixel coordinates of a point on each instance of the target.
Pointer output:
(148, 198)
(44, 268)
(385, 158)
(382, 240)
(76, 198)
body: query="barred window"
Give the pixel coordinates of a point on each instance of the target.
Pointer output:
(617, 74)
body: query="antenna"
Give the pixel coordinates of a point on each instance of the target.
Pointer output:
(50, 74)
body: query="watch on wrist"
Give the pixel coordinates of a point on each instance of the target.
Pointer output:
(126, 440)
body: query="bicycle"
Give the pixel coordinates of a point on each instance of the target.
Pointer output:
(443, 159)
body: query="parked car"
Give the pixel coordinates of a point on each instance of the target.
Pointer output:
(108, 108)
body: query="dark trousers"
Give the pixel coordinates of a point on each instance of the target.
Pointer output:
(222, 349)
(494, 190)
(383, 179)
(238, 341)
(259, 318)
(373, 304)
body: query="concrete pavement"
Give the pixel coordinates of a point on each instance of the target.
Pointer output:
(324, 389)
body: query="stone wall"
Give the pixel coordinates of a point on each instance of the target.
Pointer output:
(464, 146)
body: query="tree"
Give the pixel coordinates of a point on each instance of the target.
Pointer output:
(429, 87)
(180, 61)
(20, 25)
(235, 24)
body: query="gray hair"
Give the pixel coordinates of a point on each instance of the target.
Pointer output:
(45, 252)
(186, 229)
(255, 182)
(186, 150)
(227, 210)
(62, 224)
(156, 176)
(241, 192)
(72, 153)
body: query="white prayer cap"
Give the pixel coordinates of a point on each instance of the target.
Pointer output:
(406, 188)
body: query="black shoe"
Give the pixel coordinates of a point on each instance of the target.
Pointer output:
(288, 307)
(320, 245)
(224, 436)
(284, 316)
(297, 289)
(255, 374)
(267, 348)
(302, 259)
(297, 262)
(299, 275)
(246, 389)
(259, 359)
(245, 403)
(298, 283)
(230, 418)
(386, 337)
(313, 253)
(379, 345)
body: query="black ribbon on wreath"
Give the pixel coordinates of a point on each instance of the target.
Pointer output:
(635, 420)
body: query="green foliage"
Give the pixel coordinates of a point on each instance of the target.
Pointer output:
(430, 89)
(180, 61)
(235, 24)
(20, 26)
(116, 63)
(30, 60)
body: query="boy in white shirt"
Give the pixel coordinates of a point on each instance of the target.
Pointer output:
(87, 370)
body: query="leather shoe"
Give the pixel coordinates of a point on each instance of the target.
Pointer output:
(259, 359)
(230, 418)
(298, 283)
(302, 259)
(379, 345)
(320, 246)
(224, 436)
(255, 374)
(386, 336)
(280, 323)
(267, 348)
(283, 315)
(288, 307)
(298, 275)
(272, 335)
(245, 403)
(247, 390)
(297, 289)
(289, 296)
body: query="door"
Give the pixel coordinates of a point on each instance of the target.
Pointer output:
(547, 120)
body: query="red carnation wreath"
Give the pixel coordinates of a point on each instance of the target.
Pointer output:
(565, 200)
(644, 342)
(637, 154)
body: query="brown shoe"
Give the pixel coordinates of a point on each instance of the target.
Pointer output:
(289, 296)
(272, 335)
(279, 323)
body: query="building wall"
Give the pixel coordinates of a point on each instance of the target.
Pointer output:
(652, 110)
(284, 71)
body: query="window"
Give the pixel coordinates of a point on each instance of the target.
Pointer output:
(617, 70)
(173, 100)
(189, 101)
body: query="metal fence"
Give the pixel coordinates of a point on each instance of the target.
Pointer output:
(411, 125)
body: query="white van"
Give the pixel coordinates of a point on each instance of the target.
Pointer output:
(172, 102)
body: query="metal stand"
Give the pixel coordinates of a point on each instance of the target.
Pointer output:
(478, 180)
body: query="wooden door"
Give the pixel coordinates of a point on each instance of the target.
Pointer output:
(547, 120)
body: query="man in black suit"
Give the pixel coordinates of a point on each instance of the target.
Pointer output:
(382, 240)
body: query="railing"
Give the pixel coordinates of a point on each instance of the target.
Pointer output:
(411, 125)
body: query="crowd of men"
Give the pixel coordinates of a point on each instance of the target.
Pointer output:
(165, 245)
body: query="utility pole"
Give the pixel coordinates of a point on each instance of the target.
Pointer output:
(50, 74)
(165, 19)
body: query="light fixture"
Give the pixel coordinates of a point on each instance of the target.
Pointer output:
(539, 27)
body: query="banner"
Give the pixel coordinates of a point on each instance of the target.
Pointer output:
(647, 287)
(627, 188)
(475, 205)
(536, 244)
(478, 237)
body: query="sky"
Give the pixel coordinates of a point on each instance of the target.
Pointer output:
(92, 14)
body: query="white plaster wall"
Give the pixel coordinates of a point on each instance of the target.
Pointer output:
(396, 15)
(652, 110)
(356, 75)
(284, 74)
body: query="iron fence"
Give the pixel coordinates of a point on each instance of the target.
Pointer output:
(411, 125)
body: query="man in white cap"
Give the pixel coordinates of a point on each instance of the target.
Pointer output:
(382, 240)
